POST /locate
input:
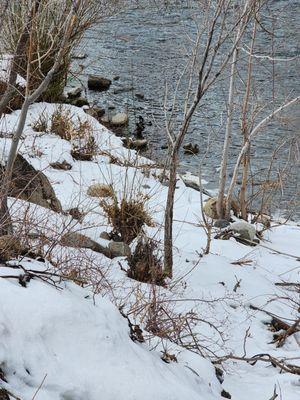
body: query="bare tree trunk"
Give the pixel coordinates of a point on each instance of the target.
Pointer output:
(227, 141)
(246, 158)
(230, 108)
(168, 231)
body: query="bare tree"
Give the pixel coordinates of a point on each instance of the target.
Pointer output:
(251, 136)
(219, 27)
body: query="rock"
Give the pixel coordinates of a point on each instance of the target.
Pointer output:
(190, 148)
(119, 249)
(95, 112)
(75, 92)
(192, 181)
(100, 190)
(244, 230)
(65, 166)
(210, 207)
(99, 83)
(79, 241)
(140, 96)
(10, 247)
(105, 120)
(221, 223)
(79, 56)
(80, 102)
(120, 119)
(116, 78)
(139, 144)
(104, 235)
(31, 185)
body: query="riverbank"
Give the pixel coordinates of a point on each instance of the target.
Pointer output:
(218, 305)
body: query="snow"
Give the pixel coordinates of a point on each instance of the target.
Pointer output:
(84, 347)
(5, 70)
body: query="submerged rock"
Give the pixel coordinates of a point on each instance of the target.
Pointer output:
(99, 83)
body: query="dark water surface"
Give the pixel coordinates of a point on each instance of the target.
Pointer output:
(146, 47)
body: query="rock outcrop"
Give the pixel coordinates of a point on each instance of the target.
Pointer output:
(31, 185)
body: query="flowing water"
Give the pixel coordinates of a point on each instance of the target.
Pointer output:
(145, 50)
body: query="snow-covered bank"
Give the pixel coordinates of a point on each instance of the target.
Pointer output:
(83, 348)
(78, 348)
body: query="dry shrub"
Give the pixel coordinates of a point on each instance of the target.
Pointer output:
(61, 124)
(40, 124)
(144, 264)
(127, 216)
(84, 146)
(84, 150)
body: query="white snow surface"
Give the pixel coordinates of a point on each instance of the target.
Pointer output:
(80, 343)
(5, 62)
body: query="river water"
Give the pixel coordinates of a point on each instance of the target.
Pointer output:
(145, 49)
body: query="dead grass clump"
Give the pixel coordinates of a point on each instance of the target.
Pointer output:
(144, 264)
(127, 216)
(84, 150)
(61, 124)
(84, 146)
(41, 124)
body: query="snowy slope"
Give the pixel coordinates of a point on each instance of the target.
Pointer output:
(219, 292)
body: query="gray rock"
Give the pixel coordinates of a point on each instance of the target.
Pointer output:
(79, 56)
(139, 144)
(95, 112)
(244, 230)
(99, 83)
(104, 235)
(221, 223)
(119, 249)
(31, 185)
(80, 102)
(119, 119)
(79, 241)
(74, 92)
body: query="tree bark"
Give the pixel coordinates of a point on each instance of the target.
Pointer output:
(168, 231)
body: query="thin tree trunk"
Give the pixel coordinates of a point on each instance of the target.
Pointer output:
(168, 231)
(246, 158)
(228, 136)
